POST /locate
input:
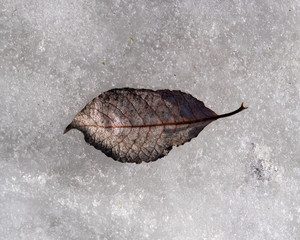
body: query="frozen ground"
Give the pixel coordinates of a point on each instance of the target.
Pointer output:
(240, 179)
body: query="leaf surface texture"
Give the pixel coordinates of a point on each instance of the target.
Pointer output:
(136, 125)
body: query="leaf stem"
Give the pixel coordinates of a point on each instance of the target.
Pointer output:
(242, 107)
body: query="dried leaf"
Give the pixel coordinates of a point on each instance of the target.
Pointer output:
(136, 125)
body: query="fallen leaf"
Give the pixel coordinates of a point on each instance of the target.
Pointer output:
(136, 125)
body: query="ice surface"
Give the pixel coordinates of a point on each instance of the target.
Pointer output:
(239, 179)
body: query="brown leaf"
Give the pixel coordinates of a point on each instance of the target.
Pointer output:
(136, 125)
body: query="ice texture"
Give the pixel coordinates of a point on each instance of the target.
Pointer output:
(239, 179)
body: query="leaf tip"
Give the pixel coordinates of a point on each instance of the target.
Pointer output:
(68, 128)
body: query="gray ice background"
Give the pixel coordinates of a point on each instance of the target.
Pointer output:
(239, 179)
